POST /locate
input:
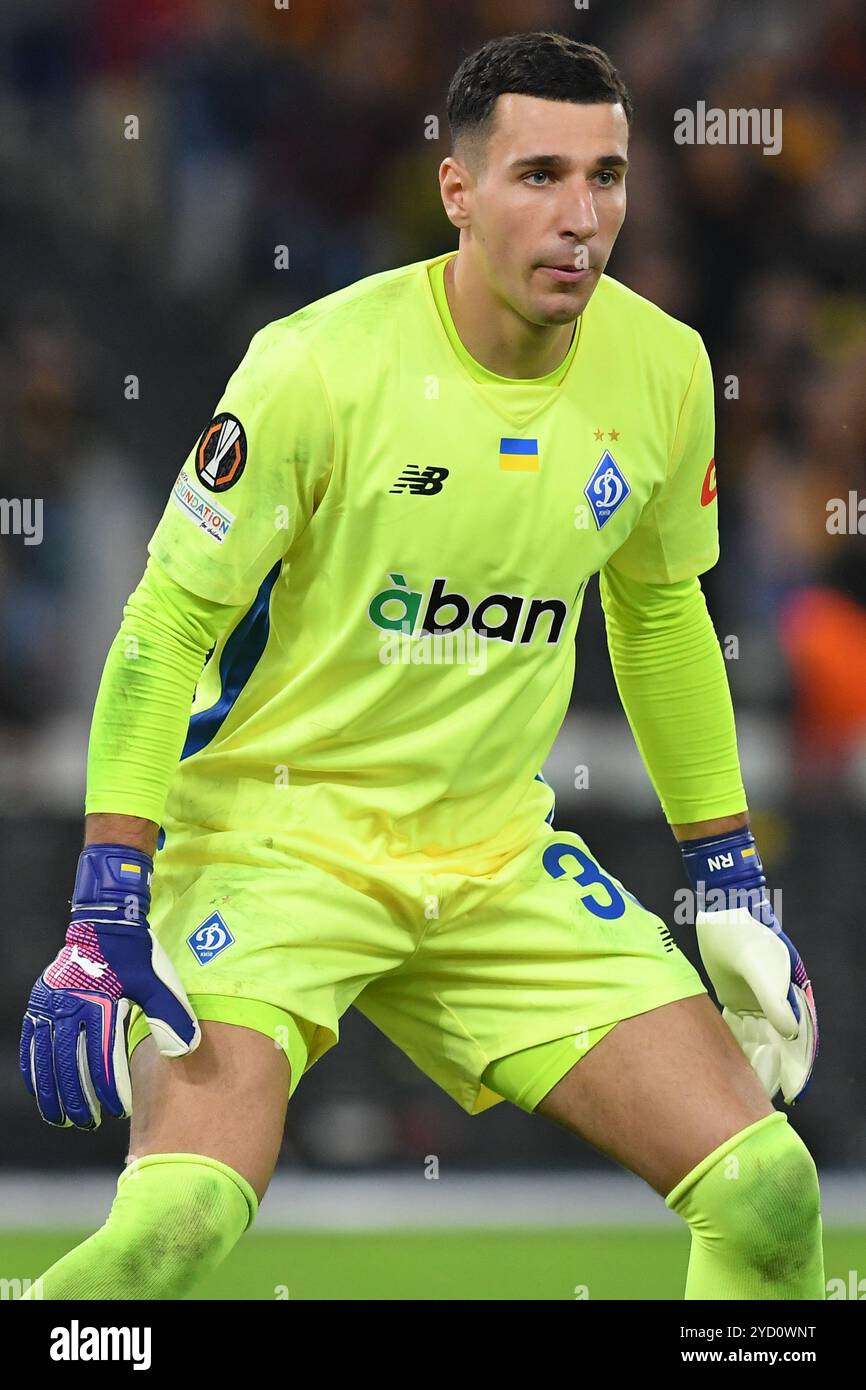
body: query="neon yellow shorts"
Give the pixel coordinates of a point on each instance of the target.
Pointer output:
(494, 985)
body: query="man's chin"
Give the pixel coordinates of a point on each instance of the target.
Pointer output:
(562, 305)
(564, 308)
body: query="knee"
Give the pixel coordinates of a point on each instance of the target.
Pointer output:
(190, 1226)
(760, 1198)
(176, 1217)
(776, 1218)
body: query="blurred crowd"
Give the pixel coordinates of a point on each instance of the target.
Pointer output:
(134, 271)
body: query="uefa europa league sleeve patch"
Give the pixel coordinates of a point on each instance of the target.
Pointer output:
(221, 453)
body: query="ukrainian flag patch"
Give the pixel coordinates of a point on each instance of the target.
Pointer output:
(519, 455)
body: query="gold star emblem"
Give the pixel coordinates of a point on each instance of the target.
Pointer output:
(599, 434)
(614, 434)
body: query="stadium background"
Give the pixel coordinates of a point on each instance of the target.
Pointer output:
(307, 127)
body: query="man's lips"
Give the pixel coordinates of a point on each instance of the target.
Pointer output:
(567, 272)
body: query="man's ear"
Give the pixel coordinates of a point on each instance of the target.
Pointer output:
(455, 181)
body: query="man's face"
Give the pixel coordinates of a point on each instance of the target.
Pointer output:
(543, 209)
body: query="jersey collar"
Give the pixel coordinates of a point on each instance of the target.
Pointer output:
(434, 272)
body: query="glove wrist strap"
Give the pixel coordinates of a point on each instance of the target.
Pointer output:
(728, 866)
(116, 880)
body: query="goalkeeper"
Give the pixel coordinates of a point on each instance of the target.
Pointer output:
(291, 810)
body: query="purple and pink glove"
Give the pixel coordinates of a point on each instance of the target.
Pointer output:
(756, 971)
(73, 1043)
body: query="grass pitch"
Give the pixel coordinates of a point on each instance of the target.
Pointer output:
(443, 1264)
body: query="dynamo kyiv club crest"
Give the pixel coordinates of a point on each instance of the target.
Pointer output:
(607, 489)
(210, 938)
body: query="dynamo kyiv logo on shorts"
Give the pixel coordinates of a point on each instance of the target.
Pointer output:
(607, 489)
(210, 938)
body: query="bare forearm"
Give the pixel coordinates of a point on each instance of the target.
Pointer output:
(102, 828)
(699, 830)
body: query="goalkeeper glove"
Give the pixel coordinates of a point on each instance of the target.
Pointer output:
(73, 1045)
(756, 971)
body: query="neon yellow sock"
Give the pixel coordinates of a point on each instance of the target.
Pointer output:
(754, 1209)
(174, 1219)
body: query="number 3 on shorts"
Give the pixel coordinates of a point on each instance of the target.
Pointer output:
(590, 875)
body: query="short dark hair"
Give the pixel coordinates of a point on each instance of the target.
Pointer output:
(540, 64)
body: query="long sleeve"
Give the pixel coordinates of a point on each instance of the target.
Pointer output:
(673, 685)
(148, 684)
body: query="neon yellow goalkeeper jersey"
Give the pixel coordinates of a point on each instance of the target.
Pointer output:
(408, 538)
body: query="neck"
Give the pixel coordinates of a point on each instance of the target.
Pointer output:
(497, 337)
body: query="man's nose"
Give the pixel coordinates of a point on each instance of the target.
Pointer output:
(579, 213)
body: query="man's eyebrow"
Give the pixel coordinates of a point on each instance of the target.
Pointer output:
(558, 161)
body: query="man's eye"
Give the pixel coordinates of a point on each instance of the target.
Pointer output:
(538, 174)
(606, 174)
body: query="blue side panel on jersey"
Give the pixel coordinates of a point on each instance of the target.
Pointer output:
(549, 817)
(240, 656)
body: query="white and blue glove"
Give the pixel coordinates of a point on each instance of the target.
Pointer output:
(756, 971)
(73, 1043)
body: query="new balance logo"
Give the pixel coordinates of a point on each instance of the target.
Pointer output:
(423, 484)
